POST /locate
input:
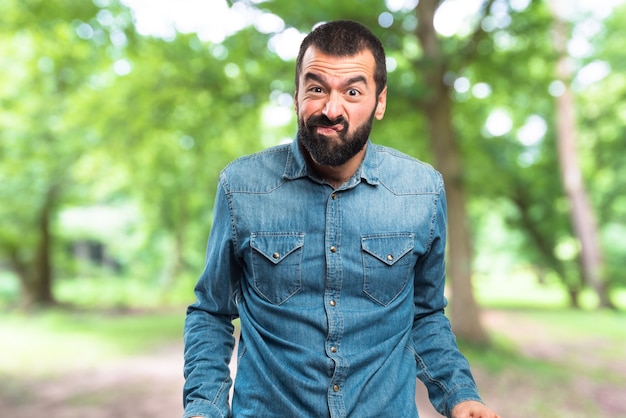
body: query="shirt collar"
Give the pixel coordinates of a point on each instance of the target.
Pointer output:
(296, 166)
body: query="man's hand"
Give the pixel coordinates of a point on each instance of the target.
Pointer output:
(472, 409)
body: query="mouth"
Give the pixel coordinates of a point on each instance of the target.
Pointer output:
(329, 130)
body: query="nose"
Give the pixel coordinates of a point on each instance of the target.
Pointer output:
(333, 107)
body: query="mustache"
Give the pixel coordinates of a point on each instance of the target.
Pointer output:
(323, 120)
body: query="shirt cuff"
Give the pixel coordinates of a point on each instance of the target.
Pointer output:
(458, 395)
(203, 409)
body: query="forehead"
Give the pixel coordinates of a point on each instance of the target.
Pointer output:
(317, 62)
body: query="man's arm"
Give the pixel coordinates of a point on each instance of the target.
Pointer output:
(208, 334)
(441, 366)
(208, 348)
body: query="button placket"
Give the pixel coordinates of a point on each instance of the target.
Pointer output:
(333, 289)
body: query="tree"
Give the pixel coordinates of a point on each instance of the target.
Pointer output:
(602, 128)
(150, 121)
(46, 63)
(582, 215)
(437, 106)
(527, 174)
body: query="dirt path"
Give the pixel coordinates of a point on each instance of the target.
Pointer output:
(588, 396)
(150, 385)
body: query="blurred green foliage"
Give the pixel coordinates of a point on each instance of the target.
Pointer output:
(94, 115)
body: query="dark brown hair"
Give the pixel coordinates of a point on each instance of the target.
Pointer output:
(345, 38)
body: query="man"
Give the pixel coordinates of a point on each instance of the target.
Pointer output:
(330, 250)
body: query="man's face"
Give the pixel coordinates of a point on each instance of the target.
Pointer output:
(336, 103)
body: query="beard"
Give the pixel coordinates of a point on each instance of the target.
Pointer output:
(326, 151)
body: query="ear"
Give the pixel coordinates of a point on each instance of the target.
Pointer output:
(381, 104)
(295, 100)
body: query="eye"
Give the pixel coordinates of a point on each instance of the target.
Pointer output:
(353, 92)
(315, 89)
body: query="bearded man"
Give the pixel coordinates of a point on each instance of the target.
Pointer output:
(330, 251)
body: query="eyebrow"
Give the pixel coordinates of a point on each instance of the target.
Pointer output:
(313, 77)
(353, 80)
(357, 79)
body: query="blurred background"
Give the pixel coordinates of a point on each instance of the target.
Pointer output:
(116, 117)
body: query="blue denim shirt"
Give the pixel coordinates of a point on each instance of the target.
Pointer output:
(340, 293)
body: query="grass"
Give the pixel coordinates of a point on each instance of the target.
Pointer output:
(519, 289)
(55, 341)
(602, 331)
(123, 292)
(102, 318)
(108, 292)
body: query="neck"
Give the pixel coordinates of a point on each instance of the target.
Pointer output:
(337, 175)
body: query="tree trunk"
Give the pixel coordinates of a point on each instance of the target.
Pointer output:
(464, 312)
(545, 246)
(582, 214)
(35, 273)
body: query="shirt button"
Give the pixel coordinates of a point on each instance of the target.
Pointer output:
(333, 249)
(333, 349)
(332, 303)
(336, 388)
(390, 257)
(276, 255)
(334, 196)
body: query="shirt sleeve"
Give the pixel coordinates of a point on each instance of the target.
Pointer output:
(208, 334)
(440, 365)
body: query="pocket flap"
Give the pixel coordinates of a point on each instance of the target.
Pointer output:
(388, 248)
(275, 246)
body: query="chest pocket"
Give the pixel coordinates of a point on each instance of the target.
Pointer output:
(277, 264)
(387, 265)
